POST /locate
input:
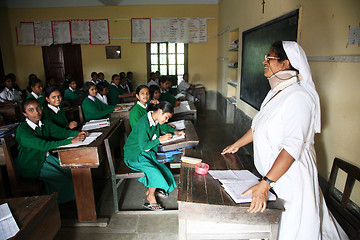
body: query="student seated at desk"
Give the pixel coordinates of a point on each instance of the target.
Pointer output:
(35, 88)
(165, 95)
(9, 94)
(66, 82)
(94, 78)
(102, 92)
(72, 94)
(116, 92)
(101, 78)
(53, 111)
(139, 110)
(152, 80)
(140, 152)
(36, 138)
(92, 107)
(154, 91)
(129, 76)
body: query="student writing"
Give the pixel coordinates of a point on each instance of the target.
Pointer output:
(36, 138)
(140, 149)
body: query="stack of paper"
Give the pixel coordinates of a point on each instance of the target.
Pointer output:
(124, 109)
(174, 138)
(184, 107)
(95, 124)
(89, 139)
(179, 125)
(236, 182)
(8, 226)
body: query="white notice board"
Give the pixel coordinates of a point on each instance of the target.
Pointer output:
(99, 31)
(197, 30)
(80, 32)
(43, 33)
(61, 32)
(179, 30)
(140, 30)
(25, 34)
(160, 29)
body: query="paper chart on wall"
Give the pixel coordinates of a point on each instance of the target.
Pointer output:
(140, 30)
(160, 29)
(61, 32)
(80, 32)
(26, 33)
(43, 33)
(179, 30)
(197, 30)
(99, 31)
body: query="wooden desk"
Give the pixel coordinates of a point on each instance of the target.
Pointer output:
(191, 139)
(188, 115)
(11, 112)
(81, 160)
(207, 212)
(125, 117)
(37, 217)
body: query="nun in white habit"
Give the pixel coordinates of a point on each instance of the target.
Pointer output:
(283, 137)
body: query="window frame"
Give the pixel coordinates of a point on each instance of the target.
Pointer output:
(148, 58)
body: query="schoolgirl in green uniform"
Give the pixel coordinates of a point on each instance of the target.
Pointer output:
(36, 138)
(35, 88)
(140, 152)
(165, 95)
(116, 92)
(92, 107)
(139, 110)
(154, 91)
(53, 111)
(72, 94)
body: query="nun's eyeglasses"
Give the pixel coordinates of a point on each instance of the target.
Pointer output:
(267, 58)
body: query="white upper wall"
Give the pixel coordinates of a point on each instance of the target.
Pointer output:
(88, 3)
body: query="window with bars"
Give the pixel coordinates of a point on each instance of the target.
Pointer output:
(168, 58)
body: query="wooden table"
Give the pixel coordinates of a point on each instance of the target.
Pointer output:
(187, 115)
(11, 112)
(125, 117)
(81, 160)
(191, 139)
(207, 212)
(37, 217)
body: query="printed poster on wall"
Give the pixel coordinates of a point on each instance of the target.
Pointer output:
(160, 29)
(80, 32)
(140, 30)
(43, 33)
(61, 32)
(99, 31)
(26, 34)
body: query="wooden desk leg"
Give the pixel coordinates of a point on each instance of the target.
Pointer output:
(84, 194)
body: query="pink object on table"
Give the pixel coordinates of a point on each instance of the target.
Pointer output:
(201, 168)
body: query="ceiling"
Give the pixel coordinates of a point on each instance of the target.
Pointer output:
(86, 3)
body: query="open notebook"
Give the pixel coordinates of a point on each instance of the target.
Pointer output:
(235, 182)
(174, 138)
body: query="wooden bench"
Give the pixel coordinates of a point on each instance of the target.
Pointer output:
(19, 186)
(114, 146)
(344, 210)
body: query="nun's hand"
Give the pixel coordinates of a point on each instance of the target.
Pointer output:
(259, 196)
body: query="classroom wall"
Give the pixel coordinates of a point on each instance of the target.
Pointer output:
(323, 32)
(202, 56)
(6, 43)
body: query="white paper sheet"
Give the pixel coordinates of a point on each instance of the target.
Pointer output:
(61, 32)
(8, 226)
(80, 32)
(179, 125)
(174, 138)
(43, 33)
(26, 33)
(140, 30)
(89, 139)
(99, 31)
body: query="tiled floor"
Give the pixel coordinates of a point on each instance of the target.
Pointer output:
(213, 134)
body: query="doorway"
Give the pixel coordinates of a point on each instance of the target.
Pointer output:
(61, 58)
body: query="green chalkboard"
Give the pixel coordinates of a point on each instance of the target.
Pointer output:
(256, 44)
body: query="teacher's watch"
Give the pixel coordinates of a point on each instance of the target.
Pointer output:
(270, 182)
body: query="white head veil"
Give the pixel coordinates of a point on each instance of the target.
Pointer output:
(298, 60)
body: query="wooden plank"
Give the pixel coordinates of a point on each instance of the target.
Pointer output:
(84, 194)
(38, 217)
